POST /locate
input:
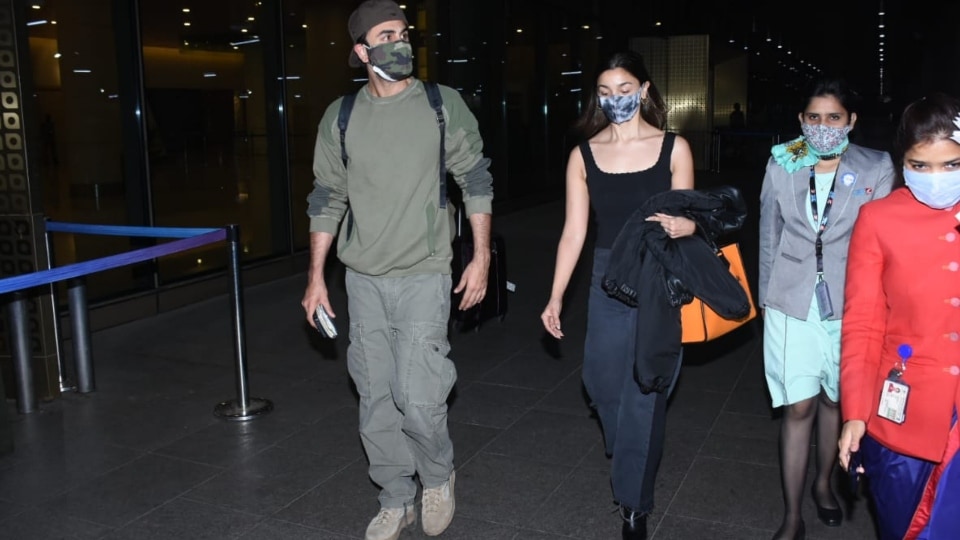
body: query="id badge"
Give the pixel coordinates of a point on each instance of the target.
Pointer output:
(893, 400)
(824, 304)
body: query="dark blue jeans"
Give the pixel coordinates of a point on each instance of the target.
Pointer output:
(633, 423)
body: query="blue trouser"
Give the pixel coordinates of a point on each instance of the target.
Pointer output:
(897, 483)
(398, 360)
(633, 423)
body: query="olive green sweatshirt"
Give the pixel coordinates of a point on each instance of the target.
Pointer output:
(391, 182)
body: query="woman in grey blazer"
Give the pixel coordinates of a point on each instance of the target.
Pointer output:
(812, 192)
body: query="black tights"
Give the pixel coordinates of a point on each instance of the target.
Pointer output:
(795, 437)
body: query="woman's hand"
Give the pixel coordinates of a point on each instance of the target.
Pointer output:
(551, 318)
(675, 226)
(853, 431)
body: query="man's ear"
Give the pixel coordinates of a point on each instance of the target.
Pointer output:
(361, 51)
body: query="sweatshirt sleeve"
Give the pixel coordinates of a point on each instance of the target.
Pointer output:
(327, 203)
(464, 158)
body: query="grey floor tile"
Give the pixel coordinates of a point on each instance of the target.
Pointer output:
(343, 504)
(694, 409)
(492, 405)
(468, 440)
(582, 507)
(308, 401)
(59, 466)
(505, 490)
(736, 493)
(179, 519)
(555, 438)
(747, 400)
(269, 481)
(335, 434)
(273, 529)
(532, 369)
(465, 528)
(226, 443)
(749, 426)
(569, 397)
(683, 528)
(131, 490)
(49, 524)
(749, 450)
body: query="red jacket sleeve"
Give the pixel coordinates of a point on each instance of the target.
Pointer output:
(864, 319)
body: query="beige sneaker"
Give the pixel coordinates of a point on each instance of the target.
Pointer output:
(438, 506)
(389, 522)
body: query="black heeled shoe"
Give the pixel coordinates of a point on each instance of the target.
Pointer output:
(831, 517)
(634, 524)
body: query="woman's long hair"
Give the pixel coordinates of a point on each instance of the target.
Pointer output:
(652, 109)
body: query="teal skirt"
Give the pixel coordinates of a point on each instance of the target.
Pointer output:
(800, 356)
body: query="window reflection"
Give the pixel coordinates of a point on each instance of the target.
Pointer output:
(206, 124)
(73, 61)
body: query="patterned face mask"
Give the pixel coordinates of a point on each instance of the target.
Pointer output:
(620, 108)
(393, 61)
(825, 139)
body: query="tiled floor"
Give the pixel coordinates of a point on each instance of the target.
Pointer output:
(144, 457)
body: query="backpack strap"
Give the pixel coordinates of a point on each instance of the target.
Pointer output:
(346, 107)
(436, 103)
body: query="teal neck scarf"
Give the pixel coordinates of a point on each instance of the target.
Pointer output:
(797, 154)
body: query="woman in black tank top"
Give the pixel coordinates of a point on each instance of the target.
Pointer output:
(624, 159)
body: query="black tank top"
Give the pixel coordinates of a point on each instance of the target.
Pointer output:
(615, 196)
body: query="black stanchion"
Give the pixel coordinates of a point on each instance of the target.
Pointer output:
(244, 407)
(22, 359)
(79, 317)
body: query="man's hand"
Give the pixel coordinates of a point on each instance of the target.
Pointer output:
(316, 295)
(473, 282)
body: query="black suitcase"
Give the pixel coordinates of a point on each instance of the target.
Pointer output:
(494, 304)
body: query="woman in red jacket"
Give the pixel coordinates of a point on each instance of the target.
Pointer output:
(900, 343)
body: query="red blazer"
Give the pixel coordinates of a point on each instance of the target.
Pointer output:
(903, 287)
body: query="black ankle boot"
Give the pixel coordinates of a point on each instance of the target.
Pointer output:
(634, 524)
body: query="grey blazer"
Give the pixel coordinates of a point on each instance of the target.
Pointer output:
(788, 263)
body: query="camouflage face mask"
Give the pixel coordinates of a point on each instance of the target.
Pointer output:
(393, 61)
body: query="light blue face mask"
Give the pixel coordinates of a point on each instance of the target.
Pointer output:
(620, 108)
(936, 190)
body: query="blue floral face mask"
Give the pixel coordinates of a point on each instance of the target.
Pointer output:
(620, 108)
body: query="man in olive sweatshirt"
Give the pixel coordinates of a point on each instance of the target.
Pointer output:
(396, 246)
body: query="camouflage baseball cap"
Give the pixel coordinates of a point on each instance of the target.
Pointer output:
(366, 16)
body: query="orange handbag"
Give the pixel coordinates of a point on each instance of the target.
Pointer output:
(699, 322)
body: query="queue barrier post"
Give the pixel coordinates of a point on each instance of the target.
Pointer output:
(20, 342)
(244, 407)
(80, 320)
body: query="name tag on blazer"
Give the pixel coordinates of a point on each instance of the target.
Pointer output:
(863, 192)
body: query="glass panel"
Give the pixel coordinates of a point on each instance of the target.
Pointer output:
(206, 125)
(73, 56)
(316, 49)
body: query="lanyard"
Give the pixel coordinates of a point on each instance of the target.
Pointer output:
(817, 218)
